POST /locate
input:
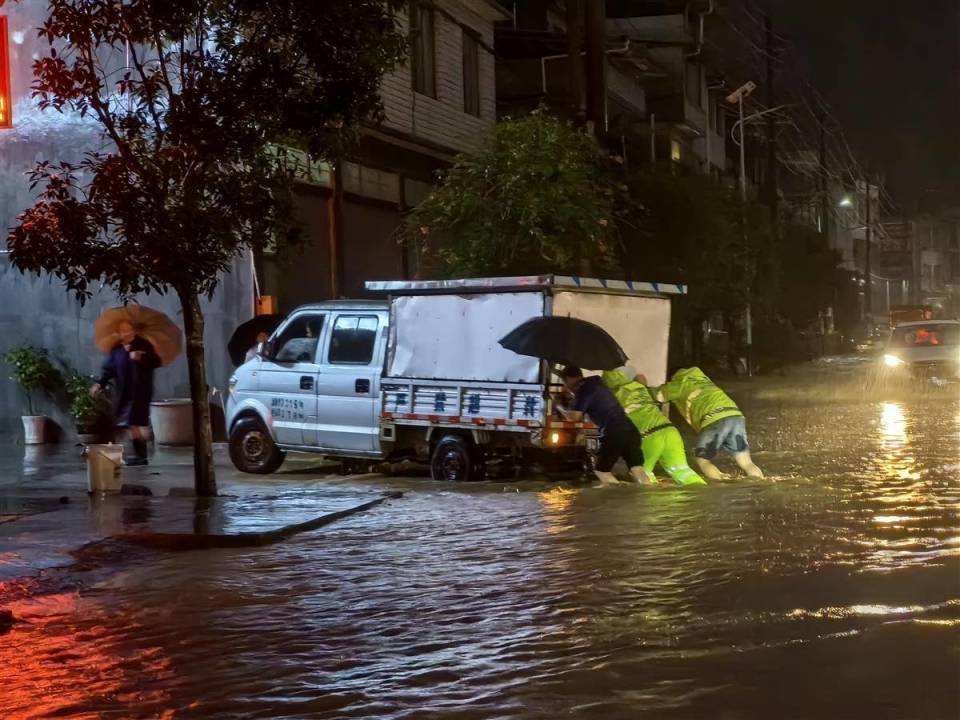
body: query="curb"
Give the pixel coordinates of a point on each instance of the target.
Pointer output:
(184, 541)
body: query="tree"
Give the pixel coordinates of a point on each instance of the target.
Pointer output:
(812, 283)
(539, 197)
(190, 176)
(693, 232)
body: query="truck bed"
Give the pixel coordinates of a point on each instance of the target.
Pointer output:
(476, 405)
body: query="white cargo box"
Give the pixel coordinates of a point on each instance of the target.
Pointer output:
(449, 330)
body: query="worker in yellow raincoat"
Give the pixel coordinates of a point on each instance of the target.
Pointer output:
(661, 440)
(717, 420)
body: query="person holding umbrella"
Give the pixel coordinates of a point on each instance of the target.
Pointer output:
(618, 436)
(137, 341)
(575, 344)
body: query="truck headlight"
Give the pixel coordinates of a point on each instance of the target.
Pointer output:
(892, 361)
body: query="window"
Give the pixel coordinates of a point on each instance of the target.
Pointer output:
(675, 153)
(353, 340)
(298, 341)
(422, 50)
(471, 74)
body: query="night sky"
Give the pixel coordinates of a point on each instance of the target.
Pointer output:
(891, 71)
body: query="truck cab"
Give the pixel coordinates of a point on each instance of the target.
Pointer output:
(314, 386)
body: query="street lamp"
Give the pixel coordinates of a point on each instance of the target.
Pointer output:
(845, 202)
(736, 98)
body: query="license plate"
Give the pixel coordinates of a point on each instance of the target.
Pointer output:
(593, 444)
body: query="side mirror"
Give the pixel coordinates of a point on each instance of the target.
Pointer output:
(264, 350)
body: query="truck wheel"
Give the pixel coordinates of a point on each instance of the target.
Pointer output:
(455, 459)
(252, 450)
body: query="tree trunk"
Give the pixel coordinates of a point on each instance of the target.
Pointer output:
(204, 478)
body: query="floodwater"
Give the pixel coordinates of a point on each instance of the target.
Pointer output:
(831, 592)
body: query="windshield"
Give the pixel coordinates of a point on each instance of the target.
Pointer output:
(930, 335)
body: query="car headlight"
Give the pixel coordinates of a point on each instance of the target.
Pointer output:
(892, 361)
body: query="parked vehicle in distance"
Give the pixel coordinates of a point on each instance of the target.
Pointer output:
(422, 374)
(900, 314)
(922, 349)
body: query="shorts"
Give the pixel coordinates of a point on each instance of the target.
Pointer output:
(729, 433)
(623, 443)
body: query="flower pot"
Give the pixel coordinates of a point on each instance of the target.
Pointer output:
(34, 429)
(172, 421)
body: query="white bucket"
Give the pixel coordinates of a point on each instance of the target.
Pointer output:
(103, 468)
(34, 429)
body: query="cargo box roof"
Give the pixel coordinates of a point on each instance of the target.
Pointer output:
(525, 282)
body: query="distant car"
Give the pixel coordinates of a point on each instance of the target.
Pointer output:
(929, 348)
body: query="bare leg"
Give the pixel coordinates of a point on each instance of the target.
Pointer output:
(747, 465)
(709, 470)
(642, 476)
(606, 478)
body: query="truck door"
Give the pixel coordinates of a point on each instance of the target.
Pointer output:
(348, 386)
(288, 379)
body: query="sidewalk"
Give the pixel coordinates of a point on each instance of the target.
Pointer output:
(47, 519)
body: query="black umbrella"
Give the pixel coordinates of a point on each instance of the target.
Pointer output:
(566, 341)
(245, 336)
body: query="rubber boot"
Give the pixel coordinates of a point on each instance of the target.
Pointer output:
(607, 479)
(642, 476)
(139, 452)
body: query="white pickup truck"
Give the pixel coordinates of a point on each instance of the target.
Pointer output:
(422, 373)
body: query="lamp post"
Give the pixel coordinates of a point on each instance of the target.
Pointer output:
(737, 97)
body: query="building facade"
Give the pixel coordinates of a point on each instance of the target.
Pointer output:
(440, 103)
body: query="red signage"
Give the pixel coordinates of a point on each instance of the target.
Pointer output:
(6, 96)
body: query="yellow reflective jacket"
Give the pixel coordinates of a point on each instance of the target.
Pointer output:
(695, 396)
(636, 400)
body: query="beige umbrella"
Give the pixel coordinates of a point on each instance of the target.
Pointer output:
(152, 325)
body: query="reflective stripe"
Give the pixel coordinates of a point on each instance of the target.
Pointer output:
(658, 428)
(717, 411)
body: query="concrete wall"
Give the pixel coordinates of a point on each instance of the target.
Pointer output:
(40, 311)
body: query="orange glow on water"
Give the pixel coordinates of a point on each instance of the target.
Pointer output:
(61, 659)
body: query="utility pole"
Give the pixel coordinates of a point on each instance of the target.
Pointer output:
(824, 205)
(596, 16)
(868, 300)
(574, 10)
(335, 230)
(771, 180)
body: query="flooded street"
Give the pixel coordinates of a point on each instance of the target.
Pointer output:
(832, 591)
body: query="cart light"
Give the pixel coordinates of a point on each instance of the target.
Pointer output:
(231, 385)
(555, 438)
(892, 361)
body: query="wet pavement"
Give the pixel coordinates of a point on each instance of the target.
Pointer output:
(832, 591)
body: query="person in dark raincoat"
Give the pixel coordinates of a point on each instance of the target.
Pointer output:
(130, 367)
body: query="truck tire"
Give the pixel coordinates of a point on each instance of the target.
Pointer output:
(456, 459)
(252, 450)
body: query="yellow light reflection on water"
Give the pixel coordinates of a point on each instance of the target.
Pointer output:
(895, 454)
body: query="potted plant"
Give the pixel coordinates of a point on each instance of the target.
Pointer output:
(33, 371)
(90, 414)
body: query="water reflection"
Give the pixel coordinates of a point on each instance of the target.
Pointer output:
(837, 586)
(895, 454)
